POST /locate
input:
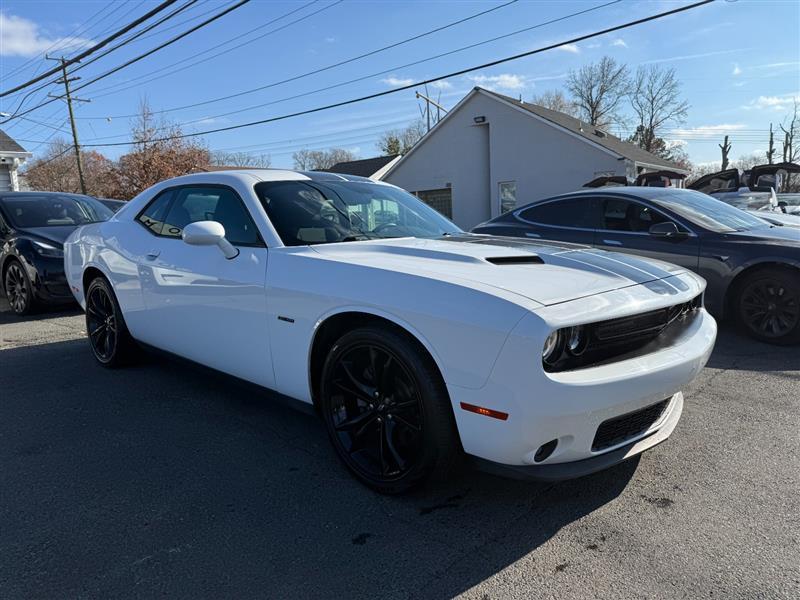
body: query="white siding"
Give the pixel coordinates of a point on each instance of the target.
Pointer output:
(511, 146)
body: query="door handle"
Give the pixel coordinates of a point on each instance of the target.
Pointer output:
(612, 243)
(533, 235)
(153, 254)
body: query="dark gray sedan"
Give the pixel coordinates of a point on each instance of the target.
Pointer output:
(752, 267)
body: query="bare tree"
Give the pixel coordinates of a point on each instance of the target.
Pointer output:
(57, 171)
(771, 150)
(791, 129)
(400, 141)
(598, 90)
(556, 100)
(240, 159)
(316, 160)
(655, 97)
(725, 147)
(158, 153)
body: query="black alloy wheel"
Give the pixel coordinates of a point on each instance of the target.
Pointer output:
(769, 306)
(108, 335)
(18, 289)
(386, 410)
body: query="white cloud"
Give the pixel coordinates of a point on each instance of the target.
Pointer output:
(620, 43)
(441, 85)
(330, 40)
(571, 48)
(707, 131)
(593, 45)
(736, 70)
(783, 102)
(506, 81)
(692, 56)
(397, 81)
(21, 37)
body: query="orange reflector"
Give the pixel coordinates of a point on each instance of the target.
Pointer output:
(486, 412)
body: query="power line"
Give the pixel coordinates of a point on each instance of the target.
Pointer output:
(99, 56)
(93, 49)
(72, 35)
(326, 68)
(369, 76)
(146, 54)
(429, 80)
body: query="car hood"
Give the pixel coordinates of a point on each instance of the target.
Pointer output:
(785, 219)
(548, 273)
(56, 233)
(784, 237)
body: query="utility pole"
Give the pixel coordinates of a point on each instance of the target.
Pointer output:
(771, 151)
(428, 102)
(68, 97)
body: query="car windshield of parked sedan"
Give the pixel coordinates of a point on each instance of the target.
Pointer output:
(315, 212)
(710, 213)
(50, 210)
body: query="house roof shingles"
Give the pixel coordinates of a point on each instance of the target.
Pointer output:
(608, 141)
(8, 144)
(363, 168)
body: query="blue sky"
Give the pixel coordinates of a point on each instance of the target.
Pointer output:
(739, 63)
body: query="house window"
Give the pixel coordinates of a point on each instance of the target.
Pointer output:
(440, 200)
(508, 196)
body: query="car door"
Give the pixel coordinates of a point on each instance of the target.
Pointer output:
(625, 227)
(200, 304)
(564, 219)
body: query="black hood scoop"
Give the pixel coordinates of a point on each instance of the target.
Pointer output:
(515, 260)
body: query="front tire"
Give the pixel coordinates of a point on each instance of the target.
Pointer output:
(767, 305)
(111, 343)
(19, 291)
(387, 411)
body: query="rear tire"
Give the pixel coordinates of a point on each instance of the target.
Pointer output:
(19, 291)
(767, 305)
(387, 411)
(111, 343)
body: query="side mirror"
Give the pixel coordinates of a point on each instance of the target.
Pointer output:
(667, 229)
(209, 233)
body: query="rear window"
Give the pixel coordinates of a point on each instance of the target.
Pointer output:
(53, 210)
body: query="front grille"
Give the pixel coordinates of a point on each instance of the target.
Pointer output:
(619, 429)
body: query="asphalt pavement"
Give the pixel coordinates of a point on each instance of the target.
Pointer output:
(165, 480)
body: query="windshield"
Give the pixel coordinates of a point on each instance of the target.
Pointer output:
(710, 213)
(314, 212)
(754, 201)
(789, 199)
(49, 210)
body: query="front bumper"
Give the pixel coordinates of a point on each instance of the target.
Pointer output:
(587, 466)
(570, 406)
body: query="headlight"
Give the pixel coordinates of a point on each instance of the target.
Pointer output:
(47, 250)
(577, 340)
(552, 348)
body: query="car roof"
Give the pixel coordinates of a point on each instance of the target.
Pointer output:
(250, 176)
(633, 191)
(24, 195)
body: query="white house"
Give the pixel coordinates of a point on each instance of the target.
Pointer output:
(12, 155)
(491, 153)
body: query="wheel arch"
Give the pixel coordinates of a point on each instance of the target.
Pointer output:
(747, 270)
(332, 326)
(89, 273)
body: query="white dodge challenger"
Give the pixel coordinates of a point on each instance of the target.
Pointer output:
(415, 342)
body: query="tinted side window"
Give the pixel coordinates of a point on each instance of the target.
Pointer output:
(571, 212)
(154, 213)
(211, 204)
(624, 215)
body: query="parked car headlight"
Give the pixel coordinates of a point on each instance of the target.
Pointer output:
(577, 340)
(47, 250)
(552, 348)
